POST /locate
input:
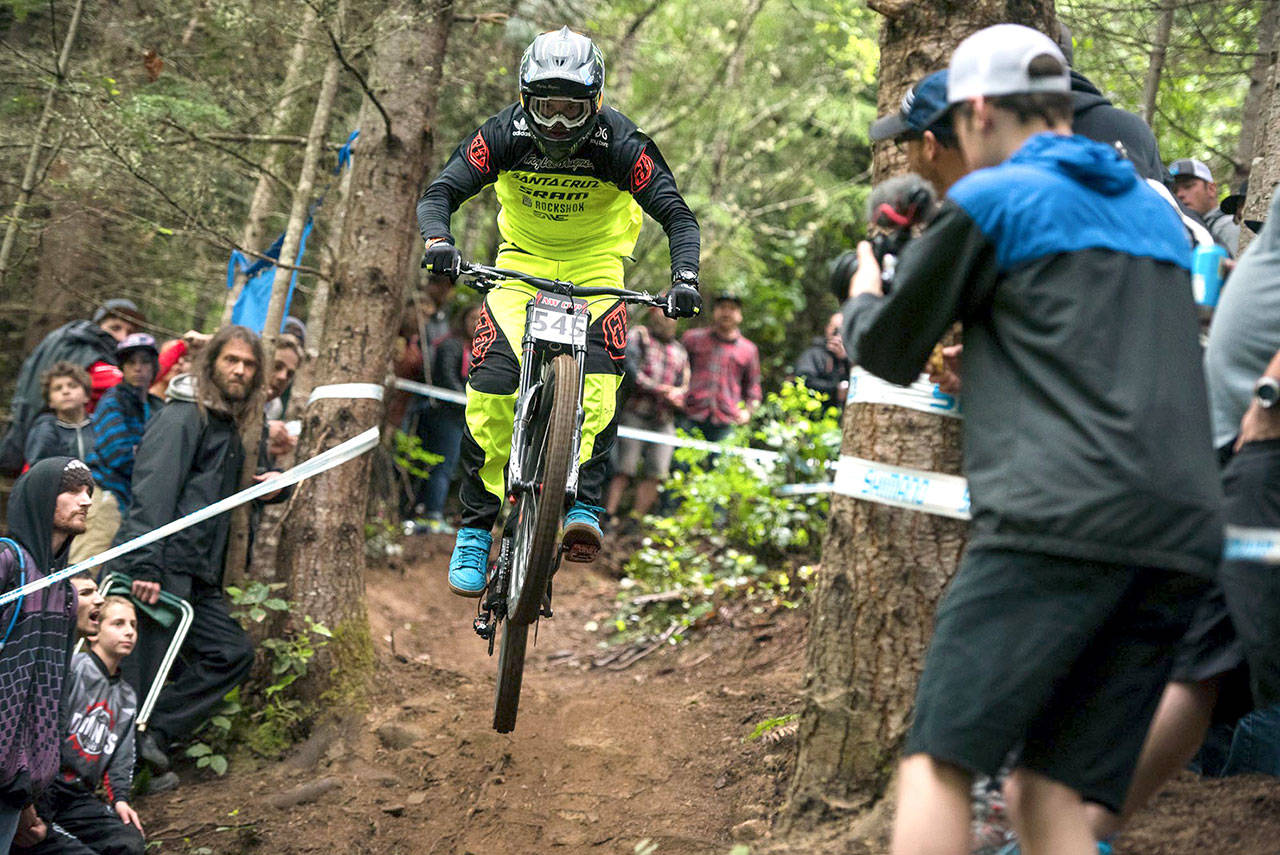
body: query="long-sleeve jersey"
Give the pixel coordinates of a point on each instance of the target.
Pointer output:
(99, 710)
(588, 204)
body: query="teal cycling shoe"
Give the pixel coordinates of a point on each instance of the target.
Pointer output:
(582, 536)
(467, 567)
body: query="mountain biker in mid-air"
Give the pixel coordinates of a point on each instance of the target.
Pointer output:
(572, 179)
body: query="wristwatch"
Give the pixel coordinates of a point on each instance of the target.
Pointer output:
(1266, 392)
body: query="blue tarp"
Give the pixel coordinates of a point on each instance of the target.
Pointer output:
(251, 306)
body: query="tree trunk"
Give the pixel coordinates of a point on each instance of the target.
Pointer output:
(322, 544)
(883, 570)
(238, 542)
(1265, 170)
(1268, 23)
(1155, 63)
(260, 206)
(28, 186)
(68, 277)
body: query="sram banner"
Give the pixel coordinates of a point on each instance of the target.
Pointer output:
(900, 487)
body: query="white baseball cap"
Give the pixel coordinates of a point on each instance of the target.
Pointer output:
(997, 60)
(1191, 166)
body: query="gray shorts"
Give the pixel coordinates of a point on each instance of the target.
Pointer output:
(657, 456)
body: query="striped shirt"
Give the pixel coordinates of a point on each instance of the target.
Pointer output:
(118, 423)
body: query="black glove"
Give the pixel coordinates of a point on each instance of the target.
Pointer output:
(443, 259)
(683, 300)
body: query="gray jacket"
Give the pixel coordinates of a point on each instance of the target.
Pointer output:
(98, 714)
(1244, 334)
(1225, 230)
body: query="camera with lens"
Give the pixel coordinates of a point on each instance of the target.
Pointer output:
(895, 207)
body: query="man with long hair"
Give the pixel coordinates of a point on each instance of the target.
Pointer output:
(190, 457)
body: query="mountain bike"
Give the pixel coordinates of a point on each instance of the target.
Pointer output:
(542, 471)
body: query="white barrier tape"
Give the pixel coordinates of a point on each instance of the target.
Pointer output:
(427, 391)
(866, 388)
(804, 489)
(900, 487)
(1252, 544)
(336, 456)
(369, 391)
(455, 397)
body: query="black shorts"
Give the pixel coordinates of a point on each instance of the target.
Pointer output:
(1251, 482)
(1211, 650)
(1059, 659)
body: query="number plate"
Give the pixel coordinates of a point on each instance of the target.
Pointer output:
(550, 320)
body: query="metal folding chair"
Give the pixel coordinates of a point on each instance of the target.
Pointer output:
(186, 614)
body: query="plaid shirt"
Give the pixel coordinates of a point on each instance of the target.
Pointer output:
(656, 364)
(724, 375)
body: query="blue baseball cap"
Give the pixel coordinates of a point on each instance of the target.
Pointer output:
(924, 108)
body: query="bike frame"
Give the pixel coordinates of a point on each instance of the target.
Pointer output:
(537, 356)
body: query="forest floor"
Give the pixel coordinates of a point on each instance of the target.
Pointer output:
(647, 758)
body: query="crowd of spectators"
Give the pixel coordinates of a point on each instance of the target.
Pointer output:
(120, 436)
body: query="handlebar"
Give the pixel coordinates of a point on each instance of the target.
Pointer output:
(483, 278)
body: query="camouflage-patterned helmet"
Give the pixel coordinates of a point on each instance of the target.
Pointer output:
(561, 90)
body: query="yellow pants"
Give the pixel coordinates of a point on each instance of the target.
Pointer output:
(495, 377)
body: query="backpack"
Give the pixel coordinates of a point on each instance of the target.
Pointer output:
(22, 580)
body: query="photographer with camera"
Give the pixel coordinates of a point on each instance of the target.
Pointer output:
(1095, 503)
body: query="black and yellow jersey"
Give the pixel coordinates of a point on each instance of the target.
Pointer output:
(589, 204)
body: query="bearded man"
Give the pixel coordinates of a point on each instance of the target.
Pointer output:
(190, 457)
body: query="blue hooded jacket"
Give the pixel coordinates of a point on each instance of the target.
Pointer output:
(1086, 430)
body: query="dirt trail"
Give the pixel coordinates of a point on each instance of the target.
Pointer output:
(600, 759)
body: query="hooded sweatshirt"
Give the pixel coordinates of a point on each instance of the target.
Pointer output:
(1097, 119)
(33, 662)
(1086, 429)
(1244, 334)
(98, 729)
(50, 436)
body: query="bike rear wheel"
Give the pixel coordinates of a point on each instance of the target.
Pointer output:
(540, 509)
(510, 675)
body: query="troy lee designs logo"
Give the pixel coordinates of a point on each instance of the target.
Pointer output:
(91, 734)
(478, 153)
(642, 172)
(532, 161)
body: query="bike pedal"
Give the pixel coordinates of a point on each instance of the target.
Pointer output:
(581, 553)
(484, 628)
(544, 610)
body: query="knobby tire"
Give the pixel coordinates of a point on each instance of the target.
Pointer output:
(510, 674)
(550, 461)
(547, 504)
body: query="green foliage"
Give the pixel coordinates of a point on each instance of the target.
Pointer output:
(266, 716)
(1206, 73)
(412, 457)
(733, 532)
(770, 725)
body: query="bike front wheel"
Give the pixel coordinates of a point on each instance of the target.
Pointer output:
(540, 508)
(510, 675)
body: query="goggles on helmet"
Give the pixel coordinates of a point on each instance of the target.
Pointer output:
(570, 112)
